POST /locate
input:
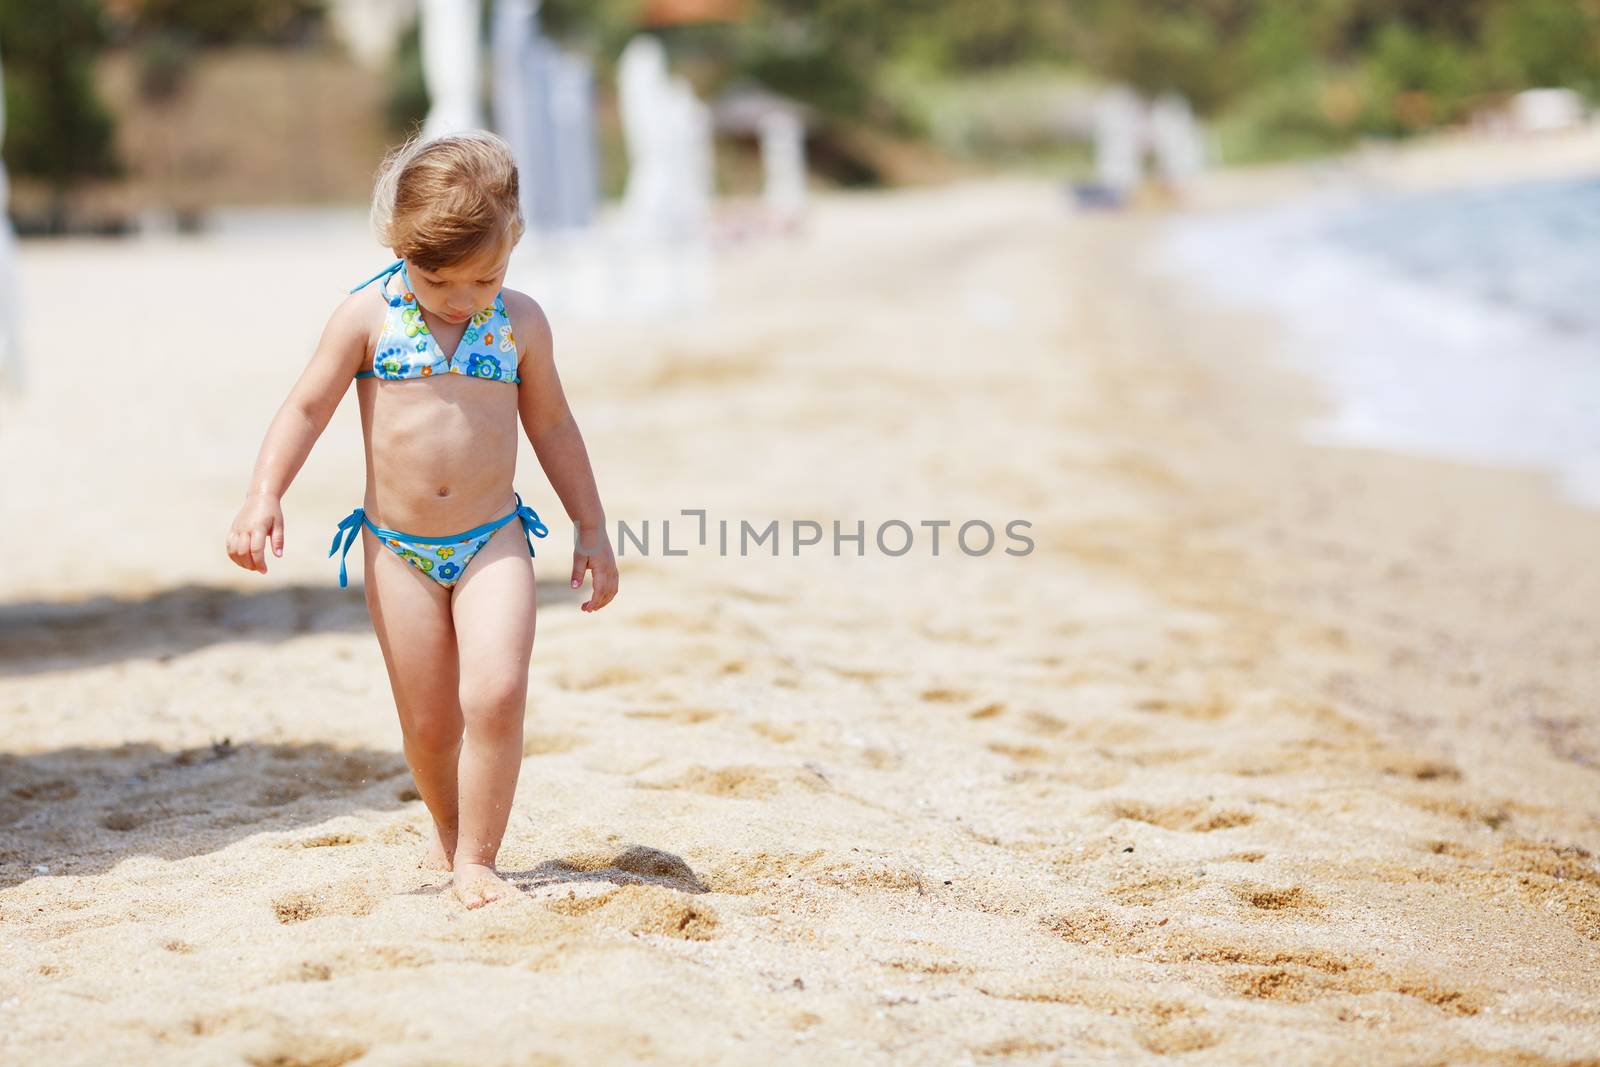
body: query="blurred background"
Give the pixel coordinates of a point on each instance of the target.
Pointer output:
(129, 113)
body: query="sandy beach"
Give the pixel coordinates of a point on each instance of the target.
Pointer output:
(1266, 753)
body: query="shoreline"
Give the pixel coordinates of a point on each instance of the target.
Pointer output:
(1412, 361)
(1437, 163)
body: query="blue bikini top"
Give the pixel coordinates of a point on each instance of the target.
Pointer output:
(406, 348)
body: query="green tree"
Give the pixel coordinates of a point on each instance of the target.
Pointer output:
(1544, 43)
(57, 129)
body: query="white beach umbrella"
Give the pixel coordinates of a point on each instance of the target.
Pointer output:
(450, 65)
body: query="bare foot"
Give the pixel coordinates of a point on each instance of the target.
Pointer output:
(433, 857)
(476, 884)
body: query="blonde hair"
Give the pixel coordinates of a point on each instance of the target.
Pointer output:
(448, 200)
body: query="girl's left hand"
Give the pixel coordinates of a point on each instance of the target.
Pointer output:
(602, 562)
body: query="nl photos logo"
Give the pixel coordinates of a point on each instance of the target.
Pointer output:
(777, 537)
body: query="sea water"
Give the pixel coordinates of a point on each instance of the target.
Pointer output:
(1463, 324)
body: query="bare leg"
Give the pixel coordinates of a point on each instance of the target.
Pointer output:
(493, 608)
(411, 616)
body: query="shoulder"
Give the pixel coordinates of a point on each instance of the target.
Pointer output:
(358, 316)
(529, 321)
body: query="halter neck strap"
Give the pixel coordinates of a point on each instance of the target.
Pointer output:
(387, 273)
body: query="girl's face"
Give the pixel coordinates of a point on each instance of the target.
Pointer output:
(456, 292)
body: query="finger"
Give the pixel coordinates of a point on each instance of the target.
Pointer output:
(579, 564)
(277, 536)
(257, 545)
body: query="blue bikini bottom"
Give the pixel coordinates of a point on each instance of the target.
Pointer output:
(440, 558)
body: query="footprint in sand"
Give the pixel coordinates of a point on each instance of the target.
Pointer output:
(743, 782)
(357, 959)
(1020, 753)
(1153, 888)
(54, 789)
(638, 865)
(1494, 817)
(1421, 769)
(604, 678)
(124, 821)
(1562, 878)
(761, 871)
(1297, 982)
(328, 840)
(1101, 926)
(1270, 898)
(323, 771)
(1209, 709)
(1193, 816)
(1159, 1024)
(1007, 1047)
(679, 716)
(535, 743)
(275, 796)
(1040, 722)
(773, 732)
(641, 889)
(649, 909)
(308, 1050)
(350, 899)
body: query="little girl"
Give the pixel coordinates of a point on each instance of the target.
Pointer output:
(445, 541)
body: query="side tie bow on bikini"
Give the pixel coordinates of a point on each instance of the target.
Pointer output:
(440, 558)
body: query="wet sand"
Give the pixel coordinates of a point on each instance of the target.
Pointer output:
(1267, 753)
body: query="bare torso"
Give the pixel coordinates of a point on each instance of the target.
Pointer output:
(441, 451)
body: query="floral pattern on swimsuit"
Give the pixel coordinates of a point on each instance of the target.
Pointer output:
(440, 558)
(442, 563)
(406, 348)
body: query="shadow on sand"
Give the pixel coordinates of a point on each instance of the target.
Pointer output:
(81, 811)
(636, 865)
(63, 635)
(47, 635)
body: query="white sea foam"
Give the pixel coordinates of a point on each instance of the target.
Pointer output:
(1465, 325)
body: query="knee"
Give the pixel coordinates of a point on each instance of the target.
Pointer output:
(496, 701)
(435, 733)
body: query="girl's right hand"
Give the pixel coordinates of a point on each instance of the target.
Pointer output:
(259, 522)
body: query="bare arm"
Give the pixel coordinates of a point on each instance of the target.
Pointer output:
(295, 428)
(557, 442)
